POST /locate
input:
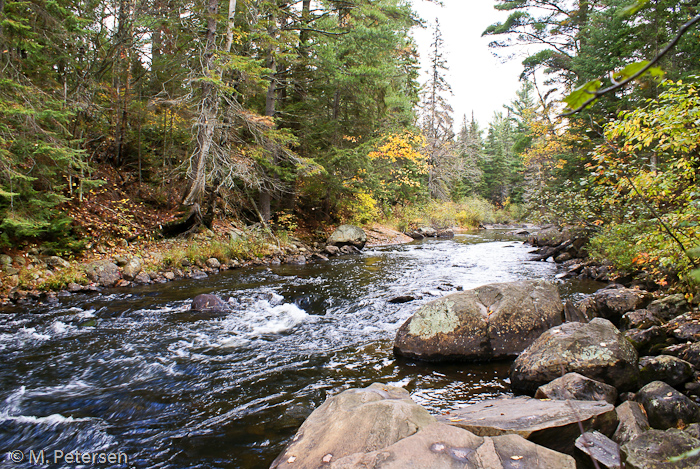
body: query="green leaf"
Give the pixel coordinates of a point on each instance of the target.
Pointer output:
(633, 9)
(635, 68)
(582, 94)
(696, 451)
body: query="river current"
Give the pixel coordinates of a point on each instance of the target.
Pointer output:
(132, 372)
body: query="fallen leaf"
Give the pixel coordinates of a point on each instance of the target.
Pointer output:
(516, 458)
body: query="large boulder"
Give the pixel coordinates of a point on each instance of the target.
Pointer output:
(653, 449)
(666, 407)
(496, 321)
(348, 235)
(577, 387)
(446, 447)
(354, 421)
(553, 424)
(596, 350)
(103, 272)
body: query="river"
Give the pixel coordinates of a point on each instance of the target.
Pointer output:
(132, 372)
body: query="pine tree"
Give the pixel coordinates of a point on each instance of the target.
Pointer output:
(437, 123)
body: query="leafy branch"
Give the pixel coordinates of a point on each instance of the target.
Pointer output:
(586, 94)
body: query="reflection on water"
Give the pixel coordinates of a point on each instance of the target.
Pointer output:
(132, 371)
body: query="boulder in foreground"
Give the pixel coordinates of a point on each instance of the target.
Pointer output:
(446, 447)
(382, 428)
(596, 350)
(496, 321)
(354, 421)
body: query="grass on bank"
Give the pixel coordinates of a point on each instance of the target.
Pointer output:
(467, 213)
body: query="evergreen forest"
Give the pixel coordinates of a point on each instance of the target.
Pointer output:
(139, 119)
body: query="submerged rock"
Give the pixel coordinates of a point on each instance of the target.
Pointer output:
(596, 350)
(207, 303)
(553, 424)
(495, 321)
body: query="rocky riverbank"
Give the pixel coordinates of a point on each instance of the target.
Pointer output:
(32, 276)
(618, 385)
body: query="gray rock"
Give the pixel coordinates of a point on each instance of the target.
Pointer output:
(669, 307)
(197, 274)
(349, 249)
(103, 272)
(74, 287)
(355, 421)
(671, 370)
(552, 424)
(169, 275)
(573, 313)
(646, 340)
(577, 387)
(596, 350)
(448, 234)
(348, 235)
(121, 261)
(5, 260)
(688, 352)
(639, 319)
(633, 422)
(666, 407)
(685, 328)
(653, 449)
(142, 277)
(491, 322)
(332, 250)
(213, 263)
(612, 303)
(296, 260)
(132, 268)
(693, 430)
(446, 447)
(596, 446)
(319, 257)
(55, 261)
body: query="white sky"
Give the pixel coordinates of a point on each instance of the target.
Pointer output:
(480, 82)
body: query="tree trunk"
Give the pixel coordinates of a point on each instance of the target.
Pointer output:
(206, 122)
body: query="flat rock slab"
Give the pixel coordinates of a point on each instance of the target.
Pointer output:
(599, 447)
(446, 447)
(553, 424)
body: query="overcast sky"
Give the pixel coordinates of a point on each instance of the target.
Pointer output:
(480, 82)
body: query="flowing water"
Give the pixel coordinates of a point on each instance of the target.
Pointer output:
(132, 372)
